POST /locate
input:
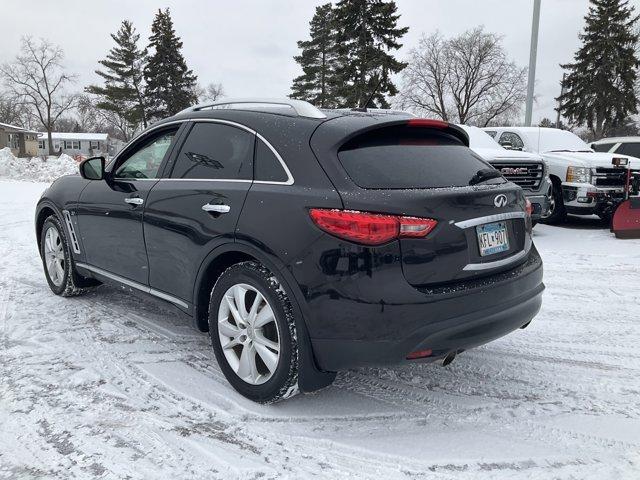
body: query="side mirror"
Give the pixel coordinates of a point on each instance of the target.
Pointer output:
(92, 168)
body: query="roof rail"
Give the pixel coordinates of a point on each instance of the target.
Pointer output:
(380, 111)
(302, 108)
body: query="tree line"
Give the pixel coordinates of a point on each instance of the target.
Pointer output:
(140, 85)
(349, 60)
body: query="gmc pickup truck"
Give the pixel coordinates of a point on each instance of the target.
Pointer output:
(583, 180)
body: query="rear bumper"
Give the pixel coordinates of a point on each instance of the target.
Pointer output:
(444, 322)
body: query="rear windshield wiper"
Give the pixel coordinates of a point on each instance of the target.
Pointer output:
(484, 175)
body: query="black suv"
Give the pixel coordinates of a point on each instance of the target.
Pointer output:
(304, 241)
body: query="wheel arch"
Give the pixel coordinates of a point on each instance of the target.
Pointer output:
(311, 378)
(43, 211)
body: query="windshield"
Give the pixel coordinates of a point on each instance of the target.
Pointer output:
(478, 138)
(553, 140)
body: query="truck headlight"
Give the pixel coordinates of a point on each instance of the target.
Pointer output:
(579, 174)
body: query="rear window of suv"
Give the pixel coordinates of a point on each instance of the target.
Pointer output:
(409, 157)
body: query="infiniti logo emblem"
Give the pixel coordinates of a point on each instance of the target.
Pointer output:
(500, 200)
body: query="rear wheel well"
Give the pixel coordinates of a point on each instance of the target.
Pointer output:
(209, 278)
(45, 213)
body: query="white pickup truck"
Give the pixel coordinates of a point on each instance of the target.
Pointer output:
(526, 170)
(583, 180)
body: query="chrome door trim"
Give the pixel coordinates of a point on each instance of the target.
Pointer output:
(472, 222)
(498, 263)
(132, 284)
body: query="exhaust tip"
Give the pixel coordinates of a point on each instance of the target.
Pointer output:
(448, 359)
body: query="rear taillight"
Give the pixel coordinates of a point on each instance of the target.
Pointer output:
(528, 206)
(370, 228)
(427, 123)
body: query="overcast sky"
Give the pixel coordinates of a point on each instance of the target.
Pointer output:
(248, 45)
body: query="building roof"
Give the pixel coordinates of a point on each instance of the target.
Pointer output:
(15, 129)
(102, 137)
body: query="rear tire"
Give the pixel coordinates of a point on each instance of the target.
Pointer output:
(557, 211)
(253, 333)
(57, 261)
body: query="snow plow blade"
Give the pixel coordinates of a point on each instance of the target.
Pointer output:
(626, 219)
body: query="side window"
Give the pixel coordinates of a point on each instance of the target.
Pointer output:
(145, 161)
(631, 149)
(602, 147)
(492, 133)
(512, 138)
(267, 166)
(215, 151)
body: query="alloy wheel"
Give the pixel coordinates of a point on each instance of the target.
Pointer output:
(54, 256)
(249, 334)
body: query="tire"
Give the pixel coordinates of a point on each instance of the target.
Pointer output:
(557, 212)
(247, 361)
(58, 264)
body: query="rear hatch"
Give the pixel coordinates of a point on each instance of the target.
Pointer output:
(420, 169)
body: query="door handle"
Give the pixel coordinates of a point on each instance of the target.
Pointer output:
(134, 200)
(216, 208)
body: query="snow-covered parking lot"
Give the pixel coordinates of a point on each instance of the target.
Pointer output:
(110, 385)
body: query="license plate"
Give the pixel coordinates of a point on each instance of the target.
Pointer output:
(492, 238)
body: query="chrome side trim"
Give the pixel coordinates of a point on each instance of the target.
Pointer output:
(72, 232)
(230, 180)
(289, 180)
(489, 218)
(498, 263)
(132, 284)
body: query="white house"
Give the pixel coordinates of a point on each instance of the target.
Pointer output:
(73, 144)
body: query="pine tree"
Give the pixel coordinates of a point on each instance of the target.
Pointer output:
(367, 32)
(316, 84)
(123, 89)
(171, 86)
(599, 87)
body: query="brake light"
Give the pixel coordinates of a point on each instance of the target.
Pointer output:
(528, 207)
(370, 228)
(427, 122)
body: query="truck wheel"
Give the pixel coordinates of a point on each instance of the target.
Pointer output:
(253, 332)
(557, 212)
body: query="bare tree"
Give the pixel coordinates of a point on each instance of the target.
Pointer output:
(37, 78)
(91, 118)
(210, 93)
(13, 111)
(467, 79)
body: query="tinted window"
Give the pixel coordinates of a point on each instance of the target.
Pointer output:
(632, 149)
(492, 133)
(215, 151)
(145, 160)
(409, 158)
(267, 166)
(602, 147)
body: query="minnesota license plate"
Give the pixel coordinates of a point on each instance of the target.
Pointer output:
(492, 238)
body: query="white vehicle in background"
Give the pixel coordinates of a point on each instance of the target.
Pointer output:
(527, 170)
(621, 145)
(583, 180)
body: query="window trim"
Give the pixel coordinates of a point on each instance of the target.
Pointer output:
(290, 180)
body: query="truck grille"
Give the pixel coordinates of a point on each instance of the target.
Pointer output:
(526, 175)
(609, 177)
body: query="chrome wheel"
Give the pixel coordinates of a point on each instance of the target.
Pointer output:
(54, 256)
(249, 334)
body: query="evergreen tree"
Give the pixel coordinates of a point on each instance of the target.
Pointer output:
(599, 87)
(366, 32)
(123, 89)
(171, 86)
(316, 84)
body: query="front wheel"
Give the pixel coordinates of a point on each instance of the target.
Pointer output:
(253, 333)
(57, 261)
(557, 212)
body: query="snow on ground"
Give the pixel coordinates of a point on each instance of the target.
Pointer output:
(35, 169)
(111, 386)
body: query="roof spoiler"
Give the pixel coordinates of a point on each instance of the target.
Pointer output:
(450, 128)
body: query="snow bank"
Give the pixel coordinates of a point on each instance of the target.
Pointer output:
(35, 169)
